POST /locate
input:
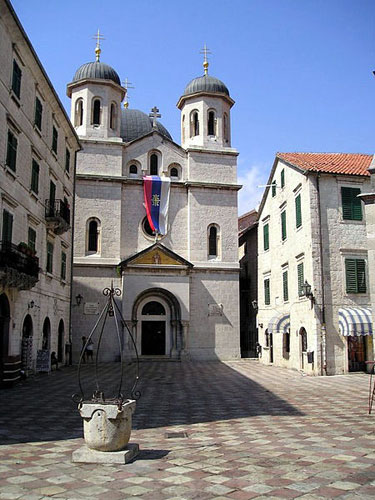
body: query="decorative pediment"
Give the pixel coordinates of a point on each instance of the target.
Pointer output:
(156, 255)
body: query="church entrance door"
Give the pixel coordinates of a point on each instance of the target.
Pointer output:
(153, 338)
(154, 331)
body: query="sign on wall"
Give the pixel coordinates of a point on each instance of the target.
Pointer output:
(91, 308)
(215, 309)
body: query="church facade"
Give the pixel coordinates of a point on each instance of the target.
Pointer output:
(180, 291)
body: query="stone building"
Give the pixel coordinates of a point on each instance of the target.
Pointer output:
(37, 161)
(248, 247)
(314, 303)
(180, 291)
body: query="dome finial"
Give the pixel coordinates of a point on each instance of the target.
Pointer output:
(98, 37)
(205, 51)
(127, 85)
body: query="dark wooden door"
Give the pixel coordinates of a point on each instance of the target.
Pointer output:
(153, 338)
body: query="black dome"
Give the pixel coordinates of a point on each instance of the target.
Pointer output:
(136, 124)
(206, 83)
(96, 70)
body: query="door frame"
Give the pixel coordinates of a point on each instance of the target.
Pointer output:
(166, 318)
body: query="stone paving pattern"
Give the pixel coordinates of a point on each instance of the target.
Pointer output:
(236, 430)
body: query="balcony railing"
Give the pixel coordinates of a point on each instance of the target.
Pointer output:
(17, 269)
(57, 215)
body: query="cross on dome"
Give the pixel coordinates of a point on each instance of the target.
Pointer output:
(127, 85)
(205, 51)
(98, 37)
(154, 114)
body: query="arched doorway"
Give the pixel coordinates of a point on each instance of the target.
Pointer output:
(27, 343)
(154, 327)
(46, 339)
(303, 347)
(4, 329)
(60, 343)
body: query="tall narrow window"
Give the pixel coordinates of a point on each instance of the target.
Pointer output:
(78, 118)
(96, 112)
(153, 164)
(212, 241)
(7, 227)
(93, 236)
(300, 278)
(283, 225)
(351, 205)
(273, 184)
(67, 160)
(55, 136)
(282, 178)
(11, 159)
(16, 79)
(266, 237)
(63, 266)
(38, 113)
(267, 292)
(194, 124)
(49, 266)
(112, 122)
(34, 177)
(285, 286)
(355, 273)
(31, 238)
(225, 128)
(183, 128)
(298, 211)
(211, 123)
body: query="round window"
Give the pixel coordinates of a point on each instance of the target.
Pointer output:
(147, 228)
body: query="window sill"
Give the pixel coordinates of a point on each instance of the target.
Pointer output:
(15, 98)
(37, 130)
(34, 195)
(352, 221)
(54, 154)
(62, 282)
(49, 275)
(10, 171)
(67, 173)
(299, 228)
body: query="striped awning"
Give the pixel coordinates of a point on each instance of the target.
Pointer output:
(354, 321)
(279, 323)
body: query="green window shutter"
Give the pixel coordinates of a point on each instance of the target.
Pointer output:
(38, 113)
(298, 211)
(16, 79)
(266, 237)
(7, 227)
(54, 139)
(355, 275)
(63, 265)
(282, 178)
(351, 205)
(283, 225)
(67, 160)
(273, 189)
(35, 177)
(285, 286)
(361, 275)
(300, 277)
(49, 266)
(267, 295)
(11, 151)
(31, 238)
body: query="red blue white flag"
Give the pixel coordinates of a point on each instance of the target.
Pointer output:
(156, 191)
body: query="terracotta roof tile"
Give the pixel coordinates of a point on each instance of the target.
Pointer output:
(334, 163)
(247, 220)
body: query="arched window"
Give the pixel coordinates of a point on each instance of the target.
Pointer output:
(46, 339)
(194, 124)
(133, 169)
(303, 334)
(225, 127)
(146, 227)
(211, 122)
(213, 241)
(113, 116)
(78, 117)
(96, 112)
(93, 236)
(153, 308)
(174, 172)
(153, 164)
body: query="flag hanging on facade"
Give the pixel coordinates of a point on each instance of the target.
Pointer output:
(156, 192)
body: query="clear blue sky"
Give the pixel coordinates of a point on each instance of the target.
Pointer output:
(300, 71)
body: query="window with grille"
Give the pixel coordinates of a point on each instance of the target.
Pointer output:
(34, 177)
(11, 159)
(38, 113)
(300, 278)
(355, 274)
(298, 211)
(266, 236)
(283, 225)
(267, 294)
(351, 204)
(285, 286)
(49, 266)
(16, 79)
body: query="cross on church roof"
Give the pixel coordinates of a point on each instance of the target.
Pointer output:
(98, 37)
(154, 114)
(127, 85)
(205, 51)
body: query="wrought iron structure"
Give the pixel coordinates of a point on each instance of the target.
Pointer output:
(17, 269)
(112, 310)
(57, 213)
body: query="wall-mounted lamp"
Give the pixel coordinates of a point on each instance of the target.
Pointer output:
(306, 290)
(31, 305)
(254, 303)
(79, 299)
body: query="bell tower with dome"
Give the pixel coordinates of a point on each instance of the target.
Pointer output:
(96, 94)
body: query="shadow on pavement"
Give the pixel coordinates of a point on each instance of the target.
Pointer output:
(41, 409)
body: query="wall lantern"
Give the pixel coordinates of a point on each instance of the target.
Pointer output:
(79, 299)
(306, 290)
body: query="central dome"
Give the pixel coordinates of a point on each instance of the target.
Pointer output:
(136, 124)
(206, 83)
(96, 70)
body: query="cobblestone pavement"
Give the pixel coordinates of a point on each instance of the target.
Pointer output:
(236, 430)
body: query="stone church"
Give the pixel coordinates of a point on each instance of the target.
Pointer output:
(180, 291)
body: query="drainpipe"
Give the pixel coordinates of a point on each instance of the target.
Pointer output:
(323, 344)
